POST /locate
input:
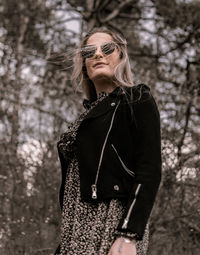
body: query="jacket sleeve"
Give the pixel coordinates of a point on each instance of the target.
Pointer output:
(148, 165)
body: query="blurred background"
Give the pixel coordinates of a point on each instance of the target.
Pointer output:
(38, 103)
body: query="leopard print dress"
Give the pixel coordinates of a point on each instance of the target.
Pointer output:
(86, 228)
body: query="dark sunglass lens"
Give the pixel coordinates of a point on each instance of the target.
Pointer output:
(108, 48)
(88, 52)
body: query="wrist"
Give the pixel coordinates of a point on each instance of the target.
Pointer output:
(125, 241)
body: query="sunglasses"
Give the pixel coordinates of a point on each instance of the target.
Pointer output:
(106, 48)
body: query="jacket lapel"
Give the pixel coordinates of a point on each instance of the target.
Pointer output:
(107, 104)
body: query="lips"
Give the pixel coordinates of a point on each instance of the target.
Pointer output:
(99, 63)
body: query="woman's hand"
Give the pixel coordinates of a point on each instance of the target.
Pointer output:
(120, 247)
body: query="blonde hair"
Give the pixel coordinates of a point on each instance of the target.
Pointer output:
(122, 75)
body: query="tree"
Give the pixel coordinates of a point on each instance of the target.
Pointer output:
(32, 118)
(38, 103)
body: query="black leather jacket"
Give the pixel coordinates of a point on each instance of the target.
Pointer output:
(119, 153)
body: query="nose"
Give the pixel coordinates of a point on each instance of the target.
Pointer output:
(98, 52)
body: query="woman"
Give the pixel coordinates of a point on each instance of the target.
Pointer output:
(110, 157)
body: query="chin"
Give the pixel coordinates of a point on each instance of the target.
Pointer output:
(101, 76)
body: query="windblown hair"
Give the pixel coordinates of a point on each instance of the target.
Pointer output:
(122, 75)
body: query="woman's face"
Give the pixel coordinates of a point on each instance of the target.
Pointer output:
(101, 65)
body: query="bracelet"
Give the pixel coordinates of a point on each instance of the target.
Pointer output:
(129, 235)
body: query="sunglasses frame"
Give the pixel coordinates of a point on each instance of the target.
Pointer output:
(94, 48)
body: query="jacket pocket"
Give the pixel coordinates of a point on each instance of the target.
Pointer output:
(131, 173)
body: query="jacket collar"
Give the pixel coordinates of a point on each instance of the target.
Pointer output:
(107, 104)
(115, 93)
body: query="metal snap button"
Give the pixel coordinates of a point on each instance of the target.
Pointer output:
(112, 104)
(116, 187)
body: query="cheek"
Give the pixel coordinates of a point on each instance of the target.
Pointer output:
(114, 59)
(114, 63)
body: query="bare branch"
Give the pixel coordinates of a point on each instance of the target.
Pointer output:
(132, 17)
(35, 107)
(90, 5)
(116, 11)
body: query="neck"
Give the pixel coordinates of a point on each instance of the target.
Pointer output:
(104, 85)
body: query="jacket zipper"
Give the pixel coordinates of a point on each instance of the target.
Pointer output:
(126, 220)
(94, 186)
(122, 163)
